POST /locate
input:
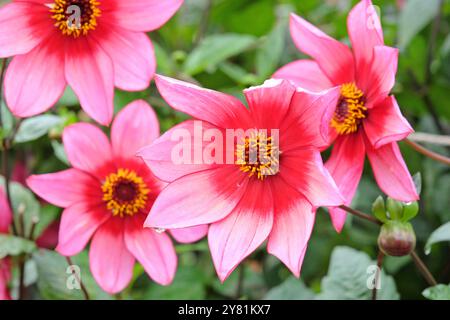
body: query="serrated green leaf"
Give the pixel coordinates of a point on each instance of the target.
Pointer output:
(291, 289)
(269, 55)
(439, 292)
(36, 127)
(439, 235)
(14, 246)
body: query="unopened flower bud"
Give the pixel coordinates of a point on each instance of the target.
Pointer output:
(397, 239)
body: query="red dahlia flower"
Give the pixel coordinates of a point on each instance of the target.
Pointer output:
(367, 120)
(245, 201)
(92, 45)
(107, 195)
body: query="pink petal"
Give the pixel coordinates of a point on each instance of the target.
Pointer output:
(5, 213)
(346, 165)
(364, 29)
(310, 115)
(189, 235)
(78, 224)
(35, 81)
(48, 239)
(304, 171)
(132, 55)
(333, 57)
(223, 110)
(292, 226)
(5, 277)
(66, 188)
(87, 148)
(133, 128)
(143, 15)
(232, 239)
(90, 73)
(378, 78)
(305, 74)
(23, 26)
(155, 251)
(165, 159)
(391, 172)
(216, 194)
(110, 261)
(386, 124)
(269, 102)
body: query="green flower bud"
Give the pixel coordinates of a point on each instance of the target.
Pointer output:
(397, 239)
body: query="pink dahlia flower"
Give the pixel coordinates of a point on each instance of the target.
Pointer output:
(245, 201)
(107, 195)
(367, 120)
(102, 47)
(5, 267)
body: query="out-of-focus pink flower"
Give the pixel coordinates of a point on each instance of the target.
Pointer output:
(107, 195)
(244, 201)
(101, 48)
(5, 267)
(367, 119)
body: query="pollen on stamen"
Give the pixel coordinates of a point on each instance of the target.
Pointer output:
(350, 111)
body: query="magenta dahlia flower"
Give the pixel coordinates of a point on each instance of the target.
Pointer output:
(367, 120)
(245, 200)
(92, 45)
(5, 266)
(107, 195)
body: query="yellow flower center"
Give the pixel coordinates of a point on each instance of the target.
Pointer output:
(350, 111)
(125, 193)
(75, 17)
(258, 155)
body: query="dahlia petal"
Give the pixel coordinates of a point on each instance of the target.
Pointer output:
(66, 188)
(334, 58)
(134, 127)
(386, 124)
(23, 25)
(155, 251)
(5, 213)
(364, 29)
(35, 81)
(346, 165)
(189, 235)
(78, 224)
(269, 102)
(87, 147)
(223, 110)
(232, 239)
(90, 73)
(292, 226)
(132, 54)
(143, 15)
(305, 74)
(310, 114)
(180, 205)
(304, 171)
(378, 78)
(5, 277)
(165, 165)
(391, 172)
(110, 261)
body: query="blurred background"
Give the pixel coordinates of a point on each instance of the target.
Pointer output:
(228, 45)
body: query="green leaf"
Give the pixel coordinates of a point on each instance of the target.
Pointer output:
(439, 292)
(269, 55)
(379, 210)
(7, 119)
(418, 182)
(36, 127)
(238, 74)
(414, 17)
(69, 98)
(14, 246)
(440, 234)
(349, 275)
(215, 49)
(291, 289)
(59, 151)
(56, 280)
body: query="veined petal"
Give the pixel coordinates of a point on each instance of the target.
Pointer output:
(155, 251)
(232, 239)
(391, 172)
(385, 124)
(305, 74)
(333, 57)
(110, 261)
(189, 235)
(134, 127)
(292, 226)
(180, 205)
